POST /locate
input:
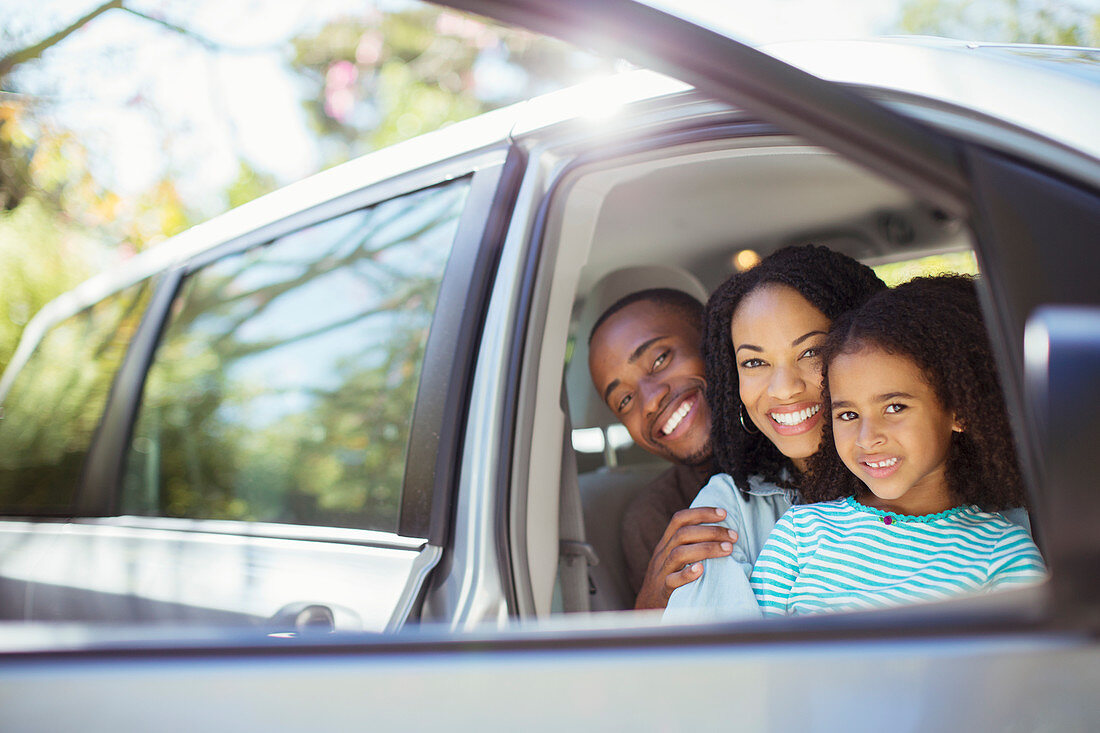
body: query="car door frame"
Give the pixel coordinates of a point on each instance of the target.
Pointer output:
(947, 172)
(438, 418)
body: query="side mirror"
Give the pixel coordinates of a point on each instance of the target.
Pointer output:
(1062, 383)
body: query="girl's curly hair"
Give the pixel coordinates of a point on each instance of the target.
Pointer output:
(832, 282)
(937, 323)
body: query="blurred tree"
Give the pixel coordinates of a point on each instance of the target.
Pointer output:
(367, 80)
(379, 78)
(53, 408)
(59, 224)
(249, 184)
(56, 233)
(26, 164)
(1060, 22)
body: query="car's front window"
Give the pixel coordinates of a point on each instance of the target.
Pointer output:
(284, 387)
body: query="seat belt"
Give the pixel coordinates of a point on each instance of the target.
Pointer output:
(575, 555)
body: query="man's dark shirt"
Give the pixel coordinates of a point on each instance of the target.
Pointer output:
(646, 518)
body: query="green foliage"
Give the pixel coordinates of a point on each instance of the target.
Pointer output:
(380, 78)
(61, 225)
(39, 260)
(1064, 23)
(368, 81)
(415, 107)
(895, 273)
(54, 406)
(250, 184)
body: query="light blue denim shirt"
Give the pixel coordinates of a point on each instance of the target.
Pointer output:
(723, 591)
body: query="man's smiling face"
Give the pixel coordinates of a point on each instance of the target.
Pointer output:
(647, 365)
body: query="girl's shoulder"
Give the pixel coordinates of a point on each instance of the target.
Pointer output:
(995, 522)
(993, 530)
(819, 512)
(833, 506)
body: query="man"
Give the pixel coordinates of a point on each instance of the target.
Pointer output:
(646, 363)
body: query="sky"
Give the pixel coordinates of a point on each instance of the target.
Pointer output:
(211, 103)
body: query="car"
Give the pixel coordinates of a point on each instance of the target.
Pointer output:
(315, 456)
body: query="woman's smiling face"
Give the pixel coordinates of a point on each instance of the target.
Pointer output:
(776, 334)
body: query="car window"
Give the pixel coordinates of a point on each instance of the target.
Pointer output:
(285, 383)
(54, 405)
(895, 273)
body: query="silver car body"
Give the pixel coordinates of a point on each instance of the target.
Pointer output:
(487, 645)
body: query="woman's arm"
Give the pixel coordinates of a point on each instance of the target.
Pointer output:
(723, 591)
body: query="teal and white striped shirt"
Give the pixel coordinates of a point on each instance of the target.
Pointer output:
(841, 555)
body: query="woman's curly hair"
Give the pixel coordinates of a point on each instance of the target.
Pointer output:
(937, 323)
(832, 282)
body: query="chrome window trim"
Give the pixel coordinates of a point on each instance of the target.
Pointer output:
(425, 561)
(258, 530)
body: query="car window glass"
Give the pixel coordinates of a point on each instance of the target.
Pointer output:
(54, 405)
(895, 273)
(284, 385)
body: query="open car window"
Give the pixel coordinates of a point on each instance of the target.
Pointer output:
(927, 161)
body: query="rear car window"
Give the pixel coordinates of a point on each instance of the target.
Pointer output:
(55, 403)
(284, 386)
(895, 273)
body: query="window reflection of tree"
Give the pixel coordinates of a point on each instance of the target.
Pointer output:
(230, 439)
(54, 405)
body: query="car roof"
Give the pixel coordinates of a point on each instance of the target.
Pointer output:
(1050, 90)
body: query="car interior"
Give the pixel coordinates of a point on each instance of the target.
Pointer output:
(684, 217)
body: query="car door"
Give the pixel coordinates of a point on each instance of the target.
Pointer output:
(1032, 205)
(278, 445)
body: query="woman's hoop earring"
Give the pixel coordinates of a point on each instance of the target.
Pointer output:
(741, 415)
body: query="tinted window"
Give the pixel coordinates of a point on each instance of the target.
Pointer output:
(284, 386)
(54, 405)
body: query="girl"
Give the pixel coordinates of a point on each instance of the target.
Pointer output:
(918, 436)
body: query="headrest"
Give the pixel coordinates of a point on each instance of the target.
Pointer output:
(586, 408)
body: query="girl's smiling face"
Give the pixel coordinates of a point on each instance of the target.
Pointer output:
(776, 334)
(891, 430)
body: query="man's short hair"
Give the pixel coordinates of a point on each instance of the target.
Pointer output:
(665, 298)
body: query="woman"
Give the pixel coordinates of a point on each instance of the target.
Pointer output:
(762, 331)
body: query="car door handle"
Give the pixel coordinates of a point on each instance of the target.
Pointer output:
(304, 617)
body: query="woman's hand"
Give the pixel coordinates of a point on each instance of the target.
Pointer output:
(689, 539)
